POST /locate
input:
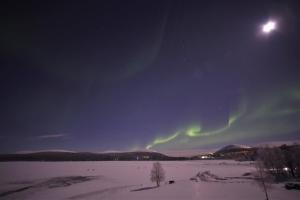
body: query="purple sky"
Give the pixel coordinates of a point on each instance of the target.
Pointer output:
(101, 75)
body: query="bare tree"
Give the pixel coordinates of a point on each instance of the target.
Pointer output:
(291, 158)
(264, 165)
(273, 161)
(157, 173)
(262, 177)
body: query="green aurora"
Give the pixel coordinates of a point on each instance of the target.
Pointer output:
(254, 118)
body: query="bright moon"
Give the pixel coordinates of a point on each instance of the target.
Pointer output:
(269, 27)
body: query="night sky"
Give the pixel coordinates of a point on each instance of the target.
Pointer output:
(161, 75)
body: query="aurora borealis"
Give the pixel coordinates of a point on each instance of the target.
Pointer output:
(275, 116)
(156, 75)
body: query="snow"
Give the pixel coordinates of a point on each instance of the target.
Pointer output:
(118, 179)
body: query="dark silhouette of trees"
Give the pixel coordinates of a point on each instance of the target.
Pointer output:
(282, 162)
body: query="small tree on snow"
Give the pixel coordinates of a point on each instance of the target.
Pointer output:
(157, 173)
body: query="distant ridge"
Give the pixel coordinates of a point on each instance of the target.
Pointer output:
(233, 151)
(86, 156)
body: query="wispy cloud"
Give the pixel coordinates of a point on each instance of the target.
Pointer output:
(45, 150)
(51, 136)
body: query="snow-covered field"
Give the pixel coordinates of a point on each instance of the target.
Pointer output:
(118, 180)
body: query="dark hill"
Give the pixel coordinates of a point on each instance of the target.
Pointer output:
(233, 148)
(86, 156)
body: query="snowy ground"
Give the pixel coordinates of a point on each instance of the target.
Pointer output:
(118, 180)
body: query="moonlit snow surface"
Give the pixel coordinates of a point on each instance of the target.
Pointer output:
(117, 180)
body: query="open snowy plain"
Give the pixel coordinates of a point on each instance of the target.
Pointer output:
(227, 180)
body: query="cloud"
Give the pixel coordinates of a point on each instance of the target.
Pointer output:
(46, 150)
(52, 136)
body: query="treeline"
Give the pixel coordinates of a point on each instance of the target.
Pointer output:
(282, 162)
(86, 156)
